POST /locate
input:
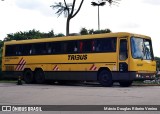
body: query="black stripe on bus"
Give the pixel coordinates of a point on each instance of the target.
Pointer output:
(107, 63)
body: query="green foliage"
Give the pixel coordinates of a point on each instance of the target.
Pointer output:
(0, 62)
(101, 31)
(84, 31)
(31, 34)
(158, 62)
(90, 31)
(59, 35)
(1, 43)
(74, 34)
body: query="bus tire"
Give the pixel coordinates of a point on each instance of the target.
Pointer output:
(105, 78)
(28, 76)
(39, 76)
(125, 83)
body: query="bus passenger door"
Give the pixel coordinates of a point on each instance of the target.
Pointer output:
(123, 55)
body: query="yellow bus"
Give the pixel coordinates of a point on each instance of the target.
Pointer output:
(107, 58)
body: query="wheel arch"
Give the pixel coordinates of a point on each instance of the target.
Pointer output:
(38, 68)
(27, 69)
(101, 69)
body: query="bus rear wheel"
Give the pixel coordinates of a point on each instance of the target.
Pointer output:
(39, 76)
(125, 83)
(28, 76)
(105, 78)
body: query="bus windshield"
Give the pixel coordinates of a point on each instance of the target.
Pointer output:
(141, 48)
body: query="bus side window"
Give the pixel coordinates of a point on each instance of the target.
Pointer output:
(19, 50)
(105, 45)
(81, 46)
(53, 50)
(49, 50)
(123, 55)
(97, 46)
(10, 50)
(113, 45)
(56, 47)
(75, 49)
(32, 50)
(26, 49)
(93, 45)
(71, 46)
(86, 46)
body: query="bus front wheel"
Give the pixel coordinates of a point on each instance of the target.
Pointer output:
(28, 76)
(39, 76)
(125, 83)
(105, 78)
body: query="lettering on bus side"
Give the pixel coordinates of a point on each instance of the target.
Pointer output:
(77, 57)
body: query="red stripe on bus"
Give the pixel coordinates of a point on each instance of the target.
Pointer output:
(19, 64)
(93, 67)
(54, 67)
(22, 65)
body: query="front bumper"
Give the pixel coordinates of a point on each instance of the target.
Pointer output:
(145, 76)
(131, 76)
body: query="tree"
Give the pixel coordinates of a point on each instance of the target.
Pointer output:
(158, 62)
(84, 31)
(31, 34)
(112, 2)
(98, 4)
(102, 3)
(101, 31)
(68, 10)
(1, 43)
(59, 35)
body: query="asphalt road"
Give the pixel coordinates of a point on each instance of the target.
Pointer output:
(78, 94)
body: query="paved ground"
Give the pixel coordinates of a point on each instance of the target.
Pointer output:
(80, 94)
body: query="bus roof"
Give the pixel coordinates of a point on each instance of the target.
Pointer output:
(78, 37)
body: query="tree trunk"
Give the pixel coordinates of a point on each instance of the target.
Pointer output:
(67, 26)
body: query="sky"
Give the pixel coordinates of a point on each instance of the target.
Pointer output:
(135, 16)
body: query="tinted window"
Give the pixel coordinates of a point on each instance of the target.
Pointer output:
(10, 50)
(81, 46)
(39, 48)
(56, 47)
(13, 50)
(86, 46)
(72, 47)
(27, 49)
(105, 45)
